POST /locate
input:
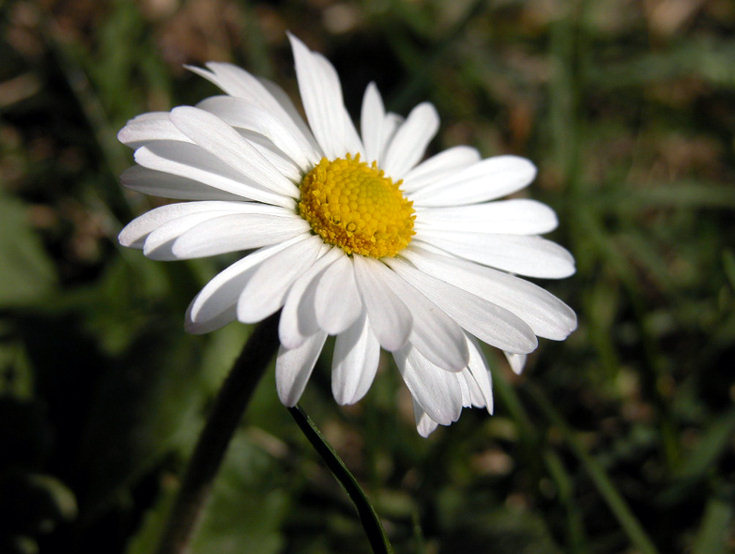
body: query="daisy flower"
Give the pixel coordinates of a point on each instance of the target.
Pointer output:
(349, 234)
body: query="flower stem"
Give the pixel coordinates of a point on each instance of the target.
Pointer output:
(369, 518)
(231, 402)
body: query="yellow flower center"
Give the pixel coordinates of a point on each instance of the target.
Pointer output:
(354, 205)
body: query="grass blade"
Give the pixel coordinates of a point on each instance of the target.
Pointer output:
(605, 486)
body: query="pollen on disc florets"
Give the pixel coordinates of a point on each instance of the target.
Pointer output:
(355, 206)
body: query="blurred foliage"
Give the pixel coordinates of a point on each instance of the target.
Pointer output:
(619, 439)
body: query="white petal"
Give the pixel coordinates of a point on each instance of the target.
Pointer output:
(548, 316)
(236, 82)
(437, 391)
(219, 139)
(490, 323)
(390, 319)
(471, 393)
(135, 232)
(219, 296)
(371, 123)
(486, 180)
(228, 315)
(391, 123)
(511, 217)
(481, 373)
(156, 183)
(159, 243)
(516, 361)
(294, 366)
(232, 233)
(192, 162)
(149, 127)
(437, 167)
(525, 255)
(464, 387)
(337, 301)
(321, 95)
(245, 115)
(410, 141)
(274, 155)
(260, 92)
(351, 139)
(298, 319)
(424, 424)
(354, 363)
(434, 333)
(266, 290)
(173, 221)
(292, 113)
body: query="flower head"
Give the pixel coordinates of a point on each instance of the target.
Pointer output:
(349, 234)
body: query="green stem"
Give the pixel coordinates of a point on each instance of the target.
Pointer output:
(370, 520)
(210, 449)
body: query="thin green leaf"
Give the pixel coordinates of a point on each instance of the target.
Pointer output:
(682, 194)
(27, 274)
(712, 535)
(714, 443)
(246, 511)
(709, 60)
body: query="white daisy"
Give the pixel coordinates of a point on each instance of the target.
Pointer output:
(351, 235)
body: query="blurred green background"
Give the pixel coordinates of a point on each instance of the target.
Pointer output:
(618, 440)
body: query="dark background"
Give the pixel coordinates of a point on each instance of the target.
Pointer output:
(616, 440)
